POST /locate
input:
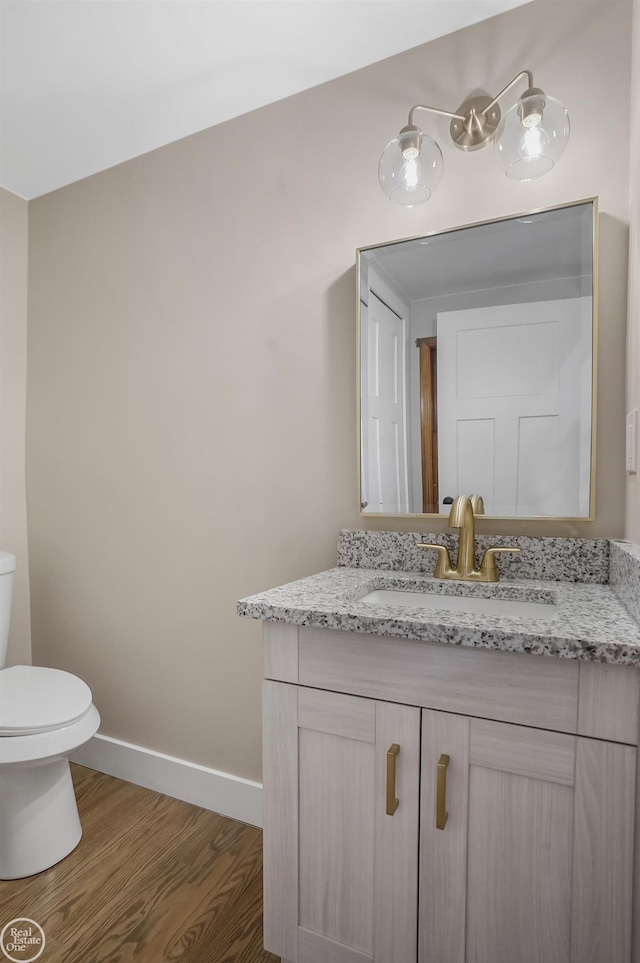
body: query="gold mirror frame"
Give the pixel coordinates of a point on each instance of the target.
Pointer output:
(594, 347)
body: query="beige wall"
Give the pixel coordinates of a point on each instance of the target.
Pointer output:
(191, 414)
(632, 530)
(13, 371)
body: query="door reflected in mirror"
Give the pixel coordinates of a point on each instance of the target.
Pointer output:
(477, 367)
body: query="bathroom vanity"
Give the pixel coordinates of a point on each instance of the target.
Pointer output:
(450, 763)
(444, 786)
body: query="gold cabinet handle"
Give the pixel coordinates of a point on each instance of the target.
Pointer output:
(441, 792)
(392, 802)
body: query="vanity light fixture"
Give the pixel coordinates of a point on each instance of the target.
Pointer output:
(527, 141)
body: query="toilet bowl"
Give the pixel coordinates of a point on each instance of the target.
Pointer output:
(45, 715)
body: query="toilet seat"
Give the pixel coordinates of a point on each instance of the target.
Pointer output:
(34, 700)
(41, 747)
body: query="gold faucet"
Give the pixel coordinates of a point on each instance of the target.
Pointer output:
(462, 516)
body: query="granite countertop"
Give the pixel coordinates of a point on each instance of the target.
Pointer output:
(591, 623)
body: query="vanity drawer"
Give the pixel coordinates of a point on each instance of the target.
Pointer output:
(506, 686)
(565, 695)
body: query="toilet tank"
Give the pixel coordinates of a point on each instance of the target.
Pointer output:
(7, 569)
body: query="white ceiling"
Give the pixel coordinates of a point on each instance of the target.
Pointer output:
(550, 245)
(86, 84)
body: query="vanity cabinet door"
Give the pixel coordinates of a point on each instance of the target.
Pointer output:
(534, 863)
(340, 874)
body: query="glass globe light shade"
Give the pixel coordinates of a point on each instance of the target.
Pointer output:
(410, 168)
(531, 136)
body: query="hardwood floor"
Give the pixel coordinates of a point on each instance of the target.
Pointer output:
(154, 880)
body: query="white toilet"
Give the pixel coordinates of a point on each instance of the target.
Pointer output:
(45, 715)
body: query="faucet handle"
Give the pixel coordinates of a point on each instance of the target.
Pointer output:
(488, 566)
(443, 565)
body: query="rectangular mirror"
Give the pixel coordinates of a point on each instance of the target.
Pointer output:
(477, 367)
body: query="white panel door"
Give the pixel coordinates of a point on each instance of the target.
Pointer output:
(514, 406)
(384, 441)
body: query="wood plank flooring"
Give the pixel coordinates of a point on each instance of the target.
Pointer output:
(154, 880)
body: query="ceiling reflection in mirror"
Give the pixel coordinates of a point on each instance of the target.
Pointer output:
(477, 367)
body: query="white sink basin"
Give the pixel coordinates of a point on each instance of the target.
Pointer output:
(511, 608)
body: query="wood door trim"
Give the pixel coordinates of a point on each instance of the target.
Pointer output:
(429, 423)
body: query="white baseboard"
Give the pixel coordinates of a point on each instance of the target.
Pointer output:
(217, 791)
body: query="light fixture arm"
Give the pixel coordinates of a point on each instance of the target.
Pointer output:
(512, 83)
(433, 110)
(484, 111)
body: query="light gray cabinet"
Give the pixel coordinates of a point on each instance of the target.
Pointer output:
(534, 862)
(341, 876)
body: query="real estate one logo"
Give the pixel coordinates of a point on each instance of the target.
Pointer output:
(22, 940)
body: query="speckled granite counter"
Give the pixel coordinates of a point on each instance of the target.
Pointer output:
(563, 559)
(591, 623)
